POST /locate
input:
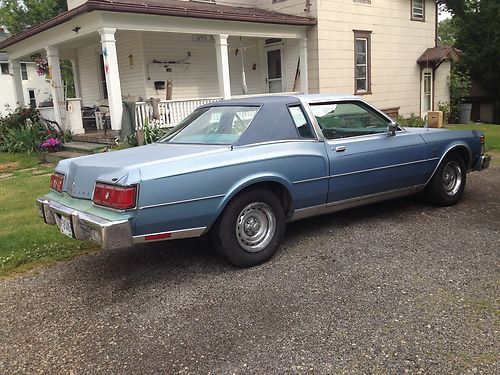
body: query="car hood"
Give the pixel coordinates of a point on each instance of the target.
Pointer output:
(124, 167)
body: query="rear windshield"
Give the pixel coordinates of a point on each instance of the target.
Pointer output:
(213, 125)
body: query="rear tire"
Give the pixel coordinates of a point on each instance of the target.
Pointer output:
(448, 183)
(251, 228)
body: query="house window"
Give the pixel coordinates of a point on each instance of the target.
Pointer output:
(5, 68)
(32, 97)
(418, 10)
(102, 76)
(362, 63)
(24, 72)
(427, 91)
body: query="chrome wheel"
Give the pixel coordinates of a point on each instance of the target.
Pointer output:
(255, 227)
(452, 178)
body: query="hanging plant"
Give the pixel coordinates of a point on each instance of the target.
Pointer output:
(41, 65)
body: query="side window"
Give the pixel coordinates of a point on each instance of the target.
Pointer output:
(341, 120)
(300, 121)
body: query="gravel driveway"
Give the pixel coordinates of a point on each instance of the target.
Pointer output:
(391, 288)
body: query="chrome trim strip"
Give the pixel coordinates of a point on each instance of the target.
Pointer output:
(443, 156)
(327, 208)
(380, 168)
(311, 180)
(277, 142)
(174, 235)
(184, 201)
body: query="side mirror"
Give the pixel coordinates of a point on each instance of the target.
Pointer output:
(393, 126)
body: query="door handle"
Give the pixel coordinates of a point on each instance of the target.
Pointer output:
(340, 148)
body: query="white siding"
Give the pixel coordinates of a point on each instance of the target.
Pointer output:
(132, 73)
(441, 82)
(396, 44)
(75, 3)
(88, 58)
(34, 82)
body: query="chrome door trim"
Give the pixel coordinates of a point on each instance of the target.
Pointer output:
(303, 213)
(183, 201)
(311, 180)
(384, 167)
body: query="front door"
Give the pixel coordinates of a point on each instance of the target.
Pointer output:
(274, 71)
(364, 159)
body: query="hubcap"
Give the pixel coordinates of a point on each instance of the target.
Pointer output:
(255, 227)
(452, 178)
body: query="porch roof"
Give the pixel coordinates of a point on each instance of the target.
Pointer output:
(436, 55)
(174, 8)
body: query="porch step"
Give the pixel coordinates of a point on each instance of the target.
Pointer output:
(84, 147)
(55, 157)
(94, 138)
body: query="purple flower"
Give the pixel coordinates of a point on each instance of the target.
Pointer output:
(51, 144)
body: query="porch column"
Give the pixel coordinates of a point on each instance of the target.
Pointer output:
(76, 78)
(304, 73)
(18, 82)
(223, 65)
(56, 85)
(113, 85)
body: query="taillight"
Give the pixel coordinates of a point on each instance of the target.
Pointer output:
(119, 197)
(57, 182)
(481, 139)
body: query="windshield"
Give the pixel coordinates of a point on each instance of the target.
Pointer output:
(213, 125)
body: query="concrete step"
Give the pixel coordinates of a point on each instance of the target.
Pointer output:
(55, 157)
(84, 147)
(94, 138)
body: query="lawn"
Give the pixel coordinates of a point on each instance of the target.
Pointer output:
(492, 136)
(25, 240)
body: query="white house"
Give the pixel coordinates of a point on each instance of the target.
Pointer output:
(186, 53)
(35, 89)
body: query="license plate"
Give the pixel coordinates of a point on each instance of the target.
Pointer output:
(65, 227)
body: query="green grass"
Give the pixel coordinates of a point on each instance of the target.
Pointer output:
(10, 162)
(25, 240)
(491, 133)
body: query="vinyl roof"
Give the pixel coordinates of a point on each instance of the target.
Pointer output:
(174, 8)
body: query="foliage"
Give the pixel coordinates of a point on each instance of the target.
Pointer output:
(447, 31)
(411, 122)
(51, 145)
(41, 65)
(17, 16)
(152, 134)
(445, 108)
(25, 138)
(25, 240)
(460, 84)
(478, 36)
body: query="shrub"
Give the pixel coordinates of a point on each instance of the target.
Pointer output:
(152, 134)
(460, 84)
(411, 122)
(25, 138)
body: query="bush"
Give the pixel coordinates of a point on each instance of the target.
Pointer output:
(152, 134)
(411, 122)
(25, 138)
(460, 84)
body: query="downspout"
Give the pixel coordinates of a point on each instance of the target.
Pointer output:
(436, 26)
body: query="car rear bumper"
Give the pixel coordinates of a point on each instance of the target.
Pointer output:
(483, 162)
(87, 227)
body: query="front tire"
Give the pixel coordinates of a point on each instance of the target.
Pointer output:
(448, 183)
(251, 228)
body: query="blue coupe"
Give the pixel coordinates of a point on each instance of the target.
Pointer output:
(240, 169)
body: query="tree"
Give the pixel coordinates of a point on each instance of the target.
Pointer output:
(17, 15)
(478, 36)
(447, 32)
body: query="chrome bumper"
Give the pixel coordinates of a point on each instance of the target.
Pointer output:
(87, 227)
(483, 162)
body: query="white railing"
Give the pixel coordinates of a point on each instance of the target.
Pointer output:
(170, 112)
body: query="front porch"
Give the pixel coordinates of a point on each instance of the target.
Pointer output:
(156, 69)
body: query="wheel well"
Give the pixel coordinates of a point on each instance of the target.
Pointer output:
(278, 189)
(464, 154)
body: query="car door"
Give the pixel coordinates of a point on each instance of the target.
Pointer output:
(364, 159)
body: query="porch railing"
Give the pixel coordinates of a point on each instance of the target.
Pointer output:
(170, 112)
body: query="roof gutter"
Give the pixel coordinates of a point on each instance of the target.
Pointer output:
(95, 5)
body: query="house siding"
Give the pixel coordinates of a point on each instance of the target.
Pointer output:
(396, 44)
(34, 82)
(89, 74)
(441, 82)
